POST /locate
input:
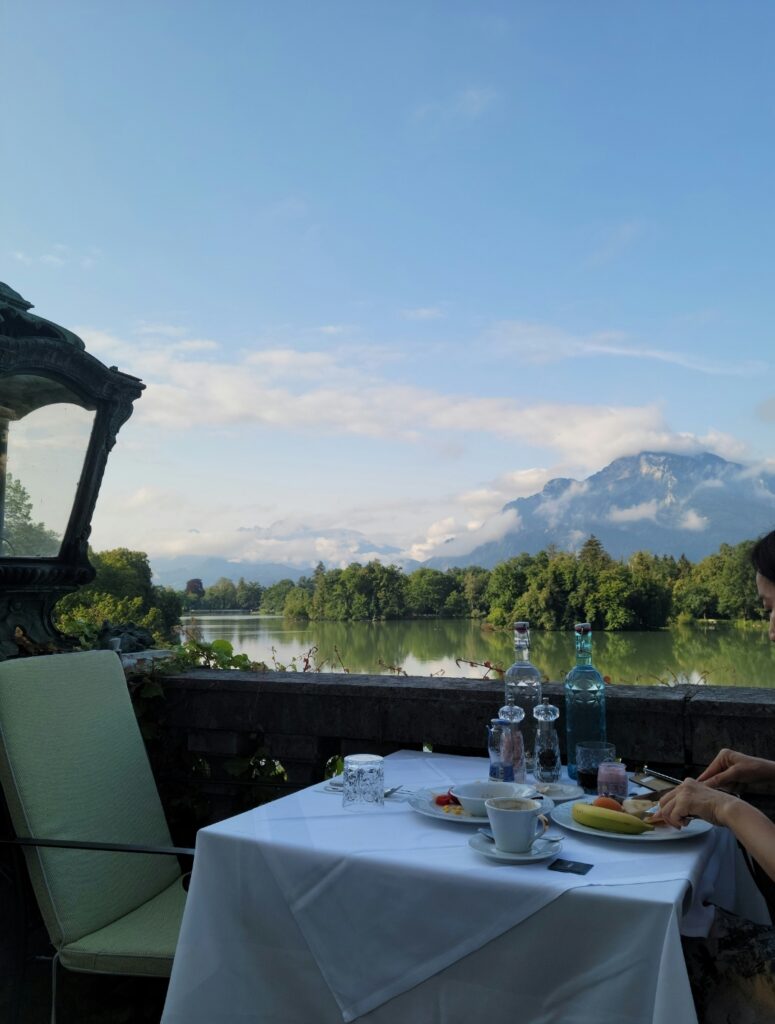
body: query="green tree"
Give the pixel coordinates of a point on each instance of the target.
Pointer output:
(273, 598)
(222, 594)
(121, 592)
(297, 603)
(736, 583)
(248, 595)
(427, 590)
(508, 581)
(20, 535)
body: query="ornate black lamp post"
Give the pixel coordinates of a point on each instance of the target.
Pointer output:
(54, 397)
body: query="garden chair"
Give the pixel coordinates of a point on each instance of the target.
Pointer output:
(81, 797)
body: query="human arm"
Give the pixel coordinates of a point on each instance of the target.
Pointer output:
(730, 768)
(694, 799)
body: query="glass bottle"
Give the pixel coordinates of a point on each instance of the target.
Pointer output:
(506, 748)
(547, 747)
(522, 683)
(584, 698)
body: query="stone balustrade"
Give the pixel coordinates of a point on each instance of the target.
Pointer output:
(217, 720)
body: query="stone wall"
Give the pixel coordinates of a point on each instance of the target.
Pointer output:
(216, 721)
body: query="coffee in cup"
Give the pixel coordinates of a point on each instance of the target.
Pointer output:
(515, 823)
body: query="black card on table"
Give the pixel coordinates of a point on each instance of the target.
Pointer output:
(572, 867)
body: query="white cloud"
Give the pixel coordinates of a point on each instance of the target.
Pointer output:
(332, 330)
(552, 508)
(286, 362)
(472, 103)
(423, 313)
(542, 343)
(635, 513)
(342, 393)
(163, 330)
(466, 105)
(21, 257)
(693, 521)
(449, 538)
(615, 241)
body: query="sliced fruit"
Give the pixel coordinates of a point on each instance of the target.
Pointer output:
(609, 802)
(608, 821)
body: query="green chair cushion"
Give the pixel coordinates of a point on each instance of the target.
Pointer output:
(73, 765)
(143, 942)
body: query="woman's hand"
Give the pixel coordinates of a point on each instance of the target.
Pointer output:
(692, 799)
(730, 768)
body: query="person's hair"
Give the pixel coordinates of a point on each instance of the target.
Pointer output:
(763, 556)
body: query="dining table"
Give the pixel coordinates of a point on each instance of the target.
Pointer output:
(303, 912)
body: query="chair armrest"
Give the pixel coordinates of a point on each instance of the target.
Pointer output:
(70, 844)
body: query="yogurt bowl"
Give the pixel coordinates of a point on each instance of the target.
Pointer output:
(472, 795)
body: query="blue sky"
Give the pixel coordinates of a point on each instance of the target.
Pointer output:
(384, 267)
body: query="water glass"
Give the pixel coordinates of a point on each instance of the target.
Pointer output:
(612, 780)
(589, 757)
(363, 785)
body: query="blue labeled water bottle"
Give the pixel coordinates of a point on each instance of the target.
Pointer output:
(584, 698)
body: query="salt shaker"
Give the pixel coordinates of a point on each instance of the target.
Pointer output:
(547, 744)
(507, 745)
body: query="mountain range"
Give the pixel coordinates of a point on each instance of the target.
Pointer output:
(656, 501)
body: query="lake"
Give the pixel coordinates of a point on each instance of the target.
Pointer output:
(722, 655)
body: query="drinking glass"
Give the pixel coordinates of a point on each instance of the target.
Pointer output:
(589, 757)
(363, 785)
(612, 780)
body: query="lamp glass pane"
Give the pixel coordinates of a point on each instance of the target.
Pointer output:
(40, 470)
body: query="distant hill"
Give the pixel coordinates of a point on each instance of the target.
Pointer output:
(655, 501)
(178, 570)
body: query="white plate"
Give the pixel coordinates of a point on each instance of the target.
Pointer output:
(562, 816)
(423, 801)
(541, 849)
(560, 791)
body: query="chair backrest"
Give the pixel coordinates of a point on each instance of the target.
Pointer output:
(73, 766)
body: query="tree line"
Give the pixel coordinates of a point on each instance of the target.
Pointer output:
(552, 589)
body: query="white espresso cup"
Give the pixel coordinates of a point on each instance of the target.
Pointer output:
(515, 823)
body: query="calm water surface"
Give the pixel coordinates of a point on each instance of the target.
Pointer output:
(724, 655)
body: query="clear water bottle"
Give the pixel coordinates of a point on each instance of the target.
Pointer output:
(522, 682)
(506, 748)
(584, 698)
(547, 748)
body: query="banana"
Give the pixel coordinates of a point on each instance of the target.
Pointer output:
(608, 821)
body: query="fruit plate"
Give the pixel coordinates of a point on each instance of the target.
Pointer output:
(562, 815)
(424, 802)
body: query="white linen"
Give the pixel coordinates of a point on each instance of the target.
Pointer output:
(386, 899)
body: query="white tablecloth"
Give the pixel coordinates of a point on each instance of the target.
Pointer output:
(302, 913)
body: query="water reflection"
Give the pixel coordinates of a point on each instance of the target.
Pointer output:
(724, 656)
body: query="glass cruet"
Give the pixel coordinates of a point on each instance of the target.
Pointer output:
(547, 745)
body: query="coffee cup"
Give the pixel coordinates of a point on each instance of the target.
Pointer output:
(515, 823)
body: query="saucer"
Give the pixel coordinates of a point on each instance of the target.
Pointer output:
(560, 791)
(540, 850)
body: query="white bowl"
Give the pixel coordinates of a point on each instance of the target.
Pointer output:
(472, 795)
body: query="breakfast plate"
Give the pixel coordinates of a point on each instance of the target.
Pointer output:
(562, 815)
(424, 802)
(560, 791)
(540, 850)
